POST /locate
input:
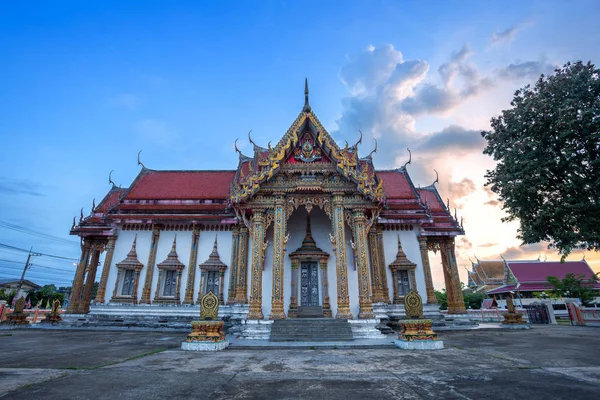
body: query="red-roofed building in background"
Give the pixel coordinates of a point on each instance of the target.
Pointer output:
(522, 279)
(259, 213)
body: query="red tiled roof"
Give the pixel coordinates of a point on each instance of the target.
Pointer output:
(538, 271)
(502, 289)
(110, 200)
(432, 200)
(395, 185)
(158, 185)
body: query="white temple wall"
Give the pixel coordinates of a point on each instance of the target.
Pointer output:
(122, 247)
(267, 275)
(184, 243)
(352, 269)
(249, 268)
(410, 245)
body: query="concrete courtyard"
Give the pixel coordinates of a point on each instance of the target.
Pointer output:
(546, 362)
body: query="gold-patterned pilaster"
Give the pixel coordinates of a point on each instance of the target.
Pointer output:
(293, 310)
(75, 298)
(375, 266)
(241, 291)
(258, 239)
(431, 299)
(84, 305)
(326, 303)
(279, 232)
(189, 287)
(150, 266)
(339, 235)
(382, 268)
(364, 288)
(110, 249)
(235, 243)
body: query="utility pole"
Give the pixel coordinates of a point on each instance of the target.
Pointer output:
(27, 265)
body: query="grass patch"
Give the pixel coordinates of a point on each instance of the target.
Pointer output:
(529, 367)
(5, 334)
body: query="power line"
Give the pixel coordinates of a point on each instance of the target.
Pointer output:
(42, 254)
(28, 231)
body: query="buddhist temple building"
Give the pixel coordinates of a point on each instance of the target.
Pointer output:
(305, 224)
(523, 279)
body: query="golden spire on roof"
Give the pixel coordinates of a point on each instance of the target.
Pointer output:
(306, 105)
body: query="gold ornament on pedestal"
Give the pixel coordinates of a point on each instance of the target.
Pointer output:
(208, 329)
(415, 327)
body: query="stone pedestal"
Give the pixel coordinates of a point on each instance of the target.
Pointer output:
(206, 336)
(417, 335)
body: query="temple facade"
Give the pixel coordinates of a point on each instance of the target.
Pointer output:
(306, 226)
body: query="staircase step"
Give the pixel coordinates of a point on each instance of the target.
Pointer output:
(311, 330)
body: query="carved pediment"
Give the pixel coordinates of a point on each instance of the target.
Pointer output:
(308, 151)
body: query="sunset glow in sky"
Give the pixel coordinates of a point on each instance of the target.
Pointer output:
(88, 86)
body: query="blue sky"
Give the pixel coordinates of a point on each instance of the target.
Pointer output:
(89, 84)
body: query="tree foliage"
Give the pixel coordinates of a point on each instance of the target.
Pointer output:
(574, 286)
(45, 295)
(547, 148)
(472, 299)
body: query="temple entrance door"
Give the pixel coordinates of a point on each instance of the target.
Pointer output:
(309, 283)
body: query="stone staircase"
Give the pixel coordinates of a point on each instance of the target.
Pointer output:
(311, 330)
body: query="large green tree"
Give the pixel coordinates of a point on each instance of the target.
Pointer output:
(548, 159)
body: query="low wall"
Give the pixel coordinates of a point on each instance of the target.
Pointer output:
(493, 315)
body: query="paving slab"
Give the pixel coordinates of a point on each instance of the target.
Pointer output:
(69, 349)
(542, 363)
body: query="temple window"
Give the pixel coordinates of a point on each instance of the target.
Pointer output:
(212, 278)
(170, 281)
(128, 276)
(403, 282)
(212, 283)
(169, 278)
(128, 280)
(403, 275)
